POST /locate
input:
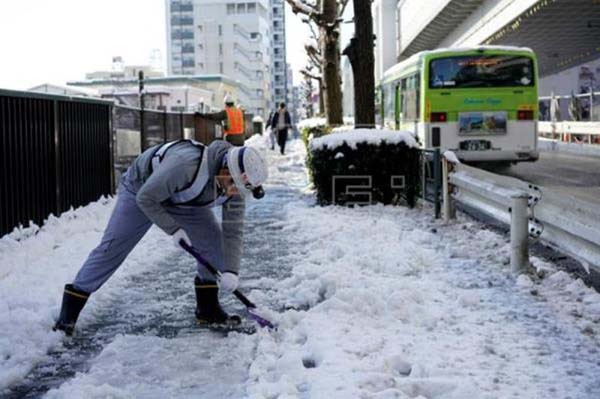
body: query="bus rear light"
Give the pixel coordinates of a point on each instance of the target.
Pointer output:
(439, 117)
(525, 115)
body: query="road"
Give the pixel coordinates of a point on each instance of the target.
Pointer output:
(578, 175)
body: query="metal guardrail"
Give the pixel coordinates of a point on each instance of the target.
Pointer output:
(569, 127)
(570, 224)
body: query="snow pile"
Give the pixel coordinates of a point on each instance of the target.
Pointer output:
(370, 136)
(33, 271)
(311, 123)
(387, 303)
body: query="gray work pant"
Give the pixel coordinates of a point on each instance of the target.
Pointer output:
(127, 226)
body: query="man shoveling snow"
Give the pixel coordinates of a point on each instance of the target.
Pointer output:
(174, 186)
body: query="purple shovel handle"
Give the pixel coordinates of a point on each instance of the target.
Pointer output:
(249, 305)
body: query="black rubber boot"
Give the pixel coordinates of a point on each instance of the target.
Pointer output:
(73, 301)
(208, 308)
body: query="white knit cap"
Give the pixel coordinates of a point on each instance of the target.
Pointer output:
(248, 169)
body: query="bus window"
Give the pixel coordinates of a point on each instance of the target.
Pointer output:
(389, 106)
(410, 99)
(481, 71)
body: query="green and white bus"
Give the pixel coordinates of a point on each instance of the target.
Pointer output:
(481, 102)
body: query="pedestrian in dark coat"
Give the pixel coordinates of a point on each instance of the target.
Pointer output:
(280, 123)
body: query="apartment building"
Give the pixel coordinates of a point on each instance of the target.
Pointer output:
(232, 38)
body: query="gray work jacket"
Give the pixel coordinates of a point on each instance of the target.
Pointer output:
(155, 190)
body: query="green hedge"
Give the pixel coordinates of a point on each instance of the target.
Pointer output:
(315, 131)
(350, 166)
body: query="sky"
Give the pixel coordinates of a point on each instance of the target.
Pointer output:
(55, 41)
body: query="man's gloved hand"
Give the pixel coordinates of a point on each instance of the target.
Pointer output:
(228, 282)
(179, 235)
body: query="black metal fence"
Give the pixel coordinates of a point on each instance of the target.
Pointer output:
(58, 152)
(55, 153)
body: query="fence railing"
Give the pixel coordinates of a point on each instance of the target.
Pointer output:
(55, 153)
(58, 152)
(567, 222)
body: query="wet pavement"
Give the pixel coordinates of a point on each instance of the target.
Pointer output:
(140, 309)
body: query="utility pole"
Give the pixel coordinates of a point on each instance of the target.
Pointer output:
(141, 94)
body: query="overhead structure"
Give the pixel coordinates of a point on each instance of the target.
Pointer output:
(448, 19)
(563, 33)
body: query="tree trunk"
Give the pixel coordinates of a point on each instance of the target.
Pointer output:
(321, 98)
(329, 37)
(361, 55)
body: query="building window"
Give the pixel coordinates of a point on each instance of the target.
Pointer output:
(220, 67)
(241, 8)
(230, 8)
(201, 65)
(220, 48)
(200, 29)
(220, 30)
(201, 46)
(253, 35)
(251, 8)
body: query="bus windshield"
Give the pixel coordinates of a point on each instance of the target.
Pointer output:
(481, 71)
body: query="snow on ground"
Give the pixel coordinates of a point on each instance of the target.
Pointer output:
(379, 302)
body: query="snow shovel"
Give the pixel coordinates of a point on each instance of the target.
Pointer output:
(250, 307)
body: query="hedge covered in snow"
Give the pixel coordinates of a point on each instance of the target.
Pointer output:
(365, 166)
(312, 128)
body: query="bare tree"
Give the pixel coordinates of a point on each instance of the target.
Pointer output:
(326, 15)
(362, 59)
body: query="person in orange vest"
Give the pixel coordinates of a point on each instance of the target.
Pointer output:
(233, 119)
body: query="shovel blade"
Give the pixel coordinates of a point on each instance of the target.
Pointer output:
(260, 320)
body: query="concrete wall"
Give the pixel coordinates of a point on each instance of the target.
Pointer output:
(384, 27)
(414, 15)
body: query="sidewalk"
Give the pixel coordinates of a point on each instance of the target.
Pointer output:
(373, 302)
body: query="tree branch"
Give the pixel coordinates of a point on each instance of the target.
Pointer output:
(343, 4)
(300, 7)
(310, 75)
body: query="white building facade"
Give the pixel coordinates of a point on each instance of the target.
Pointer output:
(231, 38)
(280, 76)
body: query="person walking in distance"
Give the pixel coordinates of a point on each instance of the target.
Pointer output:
(280, 123)
(175, 185)
(232, 118)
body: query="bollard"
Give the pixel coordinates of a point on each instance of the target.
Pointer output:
(519, 224)
(449, 209)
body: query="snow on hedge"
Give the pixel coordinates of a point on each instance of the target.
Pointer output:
(311, 123)
(370, 136)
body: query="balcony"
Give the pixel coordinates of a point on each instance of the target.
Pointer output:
(249, 55)
(250, 36)
(177, 35)
(188, 49)
(182, 21)
(177, 6)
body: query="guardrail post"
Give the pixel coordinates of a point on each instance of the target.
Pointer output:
(449, 209)
(424, 160)
(437, 182)
(519, 235)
